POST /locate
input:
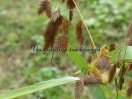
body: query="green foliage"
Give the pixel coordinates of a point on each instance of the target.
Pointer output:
(125, 56)
(36, 87)
(81, 64)
(83, 67)
(21, 27)
(107, 15)
(125, 51)
(108, 18)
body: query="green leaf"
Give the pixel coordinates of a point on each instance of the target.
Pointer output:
(81, 64)
(37, 87)
(124, 51)
(97, 92)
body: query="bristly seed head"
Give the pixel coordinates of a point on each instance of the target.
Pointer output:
(112, 73)
(128, 40)
(129, 89)
(45, 7)
(79, 88)
(102, 62)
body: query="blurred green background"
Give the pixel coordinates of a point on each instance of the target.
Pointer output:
(21, 28)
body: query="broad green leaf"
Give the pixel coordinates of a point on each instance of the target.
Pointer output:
(37, 87)
(125, 51)
(97, 92)
(81, 64)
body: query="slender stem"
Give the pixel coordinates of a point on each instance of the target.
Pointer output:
(106, 39)
(122, 67)
(116, 88)
(52, 56)
(85, 25)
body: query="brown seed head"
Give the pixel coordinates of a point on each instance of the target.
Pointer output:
(129, 89)
(79, 89)
(45, 7)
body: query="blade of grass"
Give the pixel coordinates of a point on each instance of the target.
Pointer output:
(97, 92)
(114, 54)
(81, 64)
(37, 87)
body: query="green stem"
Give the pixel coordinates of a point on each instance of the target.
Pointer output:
(121, 71)
(85, 26)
